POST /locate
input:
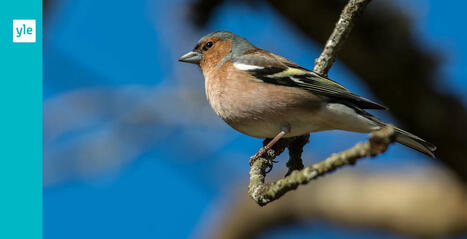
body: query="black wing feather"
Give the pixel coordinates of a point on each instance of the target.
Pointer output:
(314, 83)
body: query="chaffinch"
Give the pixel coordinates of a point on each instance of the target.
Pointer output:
(265, 95)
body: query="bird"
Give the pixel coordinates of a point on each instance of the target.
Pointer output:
(264, 95)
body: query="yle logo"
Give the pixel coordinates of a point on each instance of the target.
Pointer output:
(24, 30)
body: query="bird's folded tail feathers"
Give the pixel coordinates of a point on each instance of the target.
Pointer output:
(403, 137)
(414, 142)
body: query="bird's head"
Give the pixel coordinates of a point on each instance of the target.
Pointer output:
(216, 48)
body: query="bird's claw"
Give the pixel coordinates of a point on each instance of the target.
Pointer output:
(261, 152)
(257, 155)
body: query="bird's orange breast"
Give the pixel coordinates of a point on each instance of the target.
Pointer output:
(245, 102)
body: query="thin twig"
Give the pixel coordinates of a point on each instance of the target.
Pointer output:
(341, 31)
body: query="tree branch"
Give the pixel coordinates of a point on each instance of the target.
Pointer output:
(264, 193)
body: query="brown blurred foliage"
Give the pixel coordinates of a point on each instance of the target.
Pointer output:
(426, 203)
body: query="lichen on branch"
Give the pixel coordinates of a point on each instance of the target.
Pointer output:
(263, 192)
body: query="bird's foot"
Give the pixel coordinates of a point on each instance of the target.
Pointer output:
(257, 155)
(261, 154)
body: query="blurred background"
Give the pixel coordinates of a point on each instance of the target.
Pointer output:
(133, 150)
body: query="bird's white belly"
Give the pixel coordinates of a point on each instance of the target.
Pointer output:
(270, 128)
(328, 117)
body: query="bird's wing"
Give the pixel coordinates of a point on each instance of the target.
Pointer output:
(274, 69)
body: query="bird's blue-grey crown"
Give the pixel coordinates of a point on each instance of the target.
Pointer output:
(239, 44)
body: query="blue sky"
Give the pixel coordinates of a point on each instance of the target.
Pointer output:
(162, 174)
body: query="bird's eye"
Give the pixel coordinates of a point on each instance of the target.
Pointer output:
(207, 45)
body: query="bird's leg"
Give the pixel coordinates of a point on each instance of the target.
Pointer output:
(267, 147)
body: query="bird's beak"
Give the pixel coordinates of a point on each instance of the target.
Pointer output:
(193, 57)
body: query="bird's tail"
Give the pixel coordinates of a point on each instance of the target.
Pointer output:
(414, 142)
(404, 137)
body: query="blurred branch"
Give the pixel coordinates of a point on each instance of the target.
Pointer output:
(264, 193)
(130, 124)
(396, 69)
(423, 203)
